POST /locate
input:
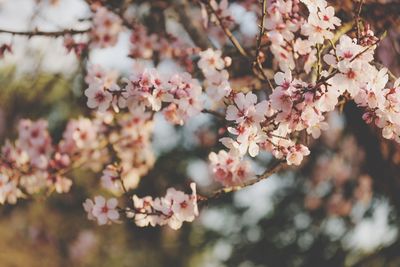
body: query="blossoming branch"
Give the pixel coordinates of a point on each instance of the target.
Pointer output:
(309, 64)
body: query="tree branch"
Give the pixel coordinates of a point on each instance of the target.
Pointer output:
(227, 31)
(45, 33)
(261, 33)
(323, 80)
(214, 113)
(274, 168)
(257, 67)
(357, 20)
(181, 8)
(257, 63)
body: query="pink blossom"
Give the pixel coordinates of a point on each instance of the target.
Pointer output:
(229, 169)
(316, 30)
(211, 61)
(281, 100)
(296, 154)
(9, 192)
(104, 211)
(173, 209)
(111, 179)
(327, 16)
(106, 28)
(98, 96)
(246, 110)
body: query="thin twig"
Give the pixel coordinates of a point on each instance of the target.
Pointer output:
(261, 33)
(45, 33)
(357, 19)
(257, 68)
(274, 168)
(227, 31)
(181, 8)
(319, 49)
(214, 113)
(323, 80)
(257, 64)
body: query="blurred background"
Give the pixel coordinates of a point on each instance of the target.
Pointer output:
(340, 208)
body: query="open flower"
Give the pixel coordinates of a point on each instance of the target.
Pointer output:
(104, 211)
(296, 154)
(98, 97)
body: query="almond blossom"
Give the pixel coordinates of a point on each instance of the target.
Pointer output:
(102, 210)
(296, 154)
(216, 77)
(229, 169)
(106, 29)
(173, 209)
(327, 16)
(181, 93)
(211, 61)
(222, 10)
(146, 88)
(9, 193)
(246, 110)
(111, 179)
(313, 5)
(98, 96)
(317, 29)
(217, 85)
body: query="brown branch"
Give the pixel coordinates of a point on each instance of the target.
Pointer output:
(214, 113)
(357, 19)
(261, 33)
(257, 67)
(274, 168)
(181, 8)
(45, 33)
(119, 13)
(227, 31)
(319, 65)
(257, 64)
(323, 80)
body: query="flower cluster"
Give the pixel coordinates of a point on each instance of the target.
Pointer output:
(265, 125)
(383, 106)
(101, 210)
(229, 169)
(143, 44)
(320, 23)
(284, 23)
(173, 209)
(216, 77)
(132, 145)
(34, 164)
(337, 185)
(186, 99)
(146, 46)
(9, 191)
(181, 94)
(101, 86)
(72, 46)
(222, 9)
(106, 28)
(111, 179)
(30, 165)
(247, 115)
(366, 84)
